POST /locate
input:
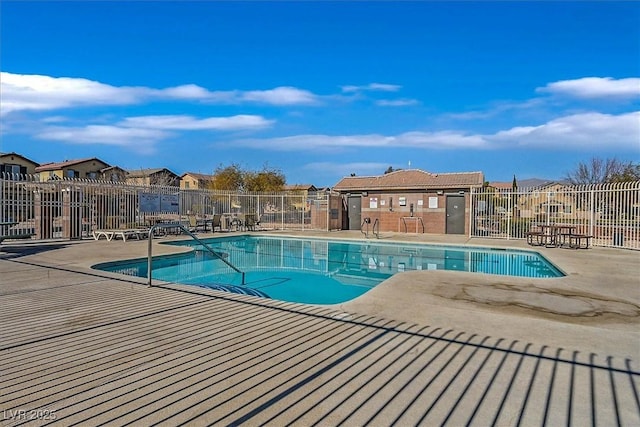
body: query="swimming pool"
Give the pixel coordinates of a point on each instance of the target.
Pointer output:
(318, 271)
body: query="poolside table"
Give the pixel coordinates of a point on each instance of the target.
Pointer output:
(557, 234)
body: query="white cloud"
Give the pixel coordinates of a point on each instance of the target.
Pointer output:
(185, 92)
(441, 139)
(144, 132)
(586, 131)
(178, 122)
(396, 102)
(138, 139)
(37, 92)
(54, 119)
(499, 108)
(280, 96)
(372, 87)
(595, 87)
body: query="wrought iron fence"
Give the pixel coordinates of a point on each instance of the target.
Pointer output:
(608, 212)
(74, 208)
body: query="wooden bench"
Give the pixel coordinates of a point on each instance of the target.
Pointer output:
(580, 241)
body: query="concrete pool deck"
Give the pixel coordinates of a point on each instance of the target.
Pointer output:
(425, 347)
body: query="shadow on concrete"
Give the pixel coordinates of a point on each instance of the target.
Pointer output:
(12, 251)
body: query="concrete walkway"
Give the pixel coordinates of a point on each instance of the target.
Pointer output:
(424, 348)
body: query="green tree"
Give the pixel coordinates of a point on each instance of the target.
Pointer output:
(391, 169)
(229, 178)
(234, 178)
(265, 180)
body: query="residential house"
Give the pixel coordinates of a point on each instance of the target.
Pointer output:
(69, 169)
(409, 200)
(195, 181)
(113, 174)
(553, 201)
(547, 199)
(153, 176)
(14, 164)
(300, 203)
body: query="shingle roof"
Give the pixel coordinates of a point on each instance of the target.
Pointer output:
(60, 165)
(411, 179)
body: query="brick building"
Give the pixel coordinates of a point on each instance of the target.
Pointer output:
(409, 200)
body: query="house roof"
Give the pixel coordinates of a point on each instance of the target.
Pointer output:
(109, 168)
(198, 176)
(300, 187)
(14, 154)
(533, 183)
(502, 185)
(411, 179)
(67, 163)
(142, 173)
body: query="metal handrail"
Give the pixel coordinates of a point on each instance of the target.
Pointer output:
(373, 229)
(186, 231)
(366, 221)
(404, 218)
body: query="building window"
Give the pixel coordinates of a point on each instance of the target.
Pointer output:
(13, 169)
(186, 184)
(72, 174)
(92, 175)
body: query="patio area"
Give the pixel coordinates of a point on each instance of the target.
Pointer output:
(79, 345)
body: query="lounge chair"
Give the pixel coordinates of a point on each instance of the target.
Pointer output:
(109, 235)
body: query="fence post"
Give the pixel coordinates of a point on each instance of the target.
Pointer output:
(592, 213)
(509, 215)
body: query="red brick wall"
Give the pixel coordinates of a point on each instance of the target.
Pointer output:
(389, 215)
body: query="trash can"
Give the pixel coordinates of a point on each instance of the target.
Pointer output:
(618, 238)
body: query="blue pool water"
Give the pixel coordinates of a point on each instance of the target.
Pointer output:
(318, 271)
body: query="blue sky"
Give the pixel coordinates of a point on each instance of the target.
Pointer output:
(321, 90)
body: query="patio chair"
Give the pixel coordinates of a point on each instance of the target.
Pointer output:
(251, 221)
(216, 222)
(195, 224)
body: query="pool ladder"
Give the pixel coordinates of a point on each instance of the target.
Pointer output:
(375, 229)
(186, 231)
